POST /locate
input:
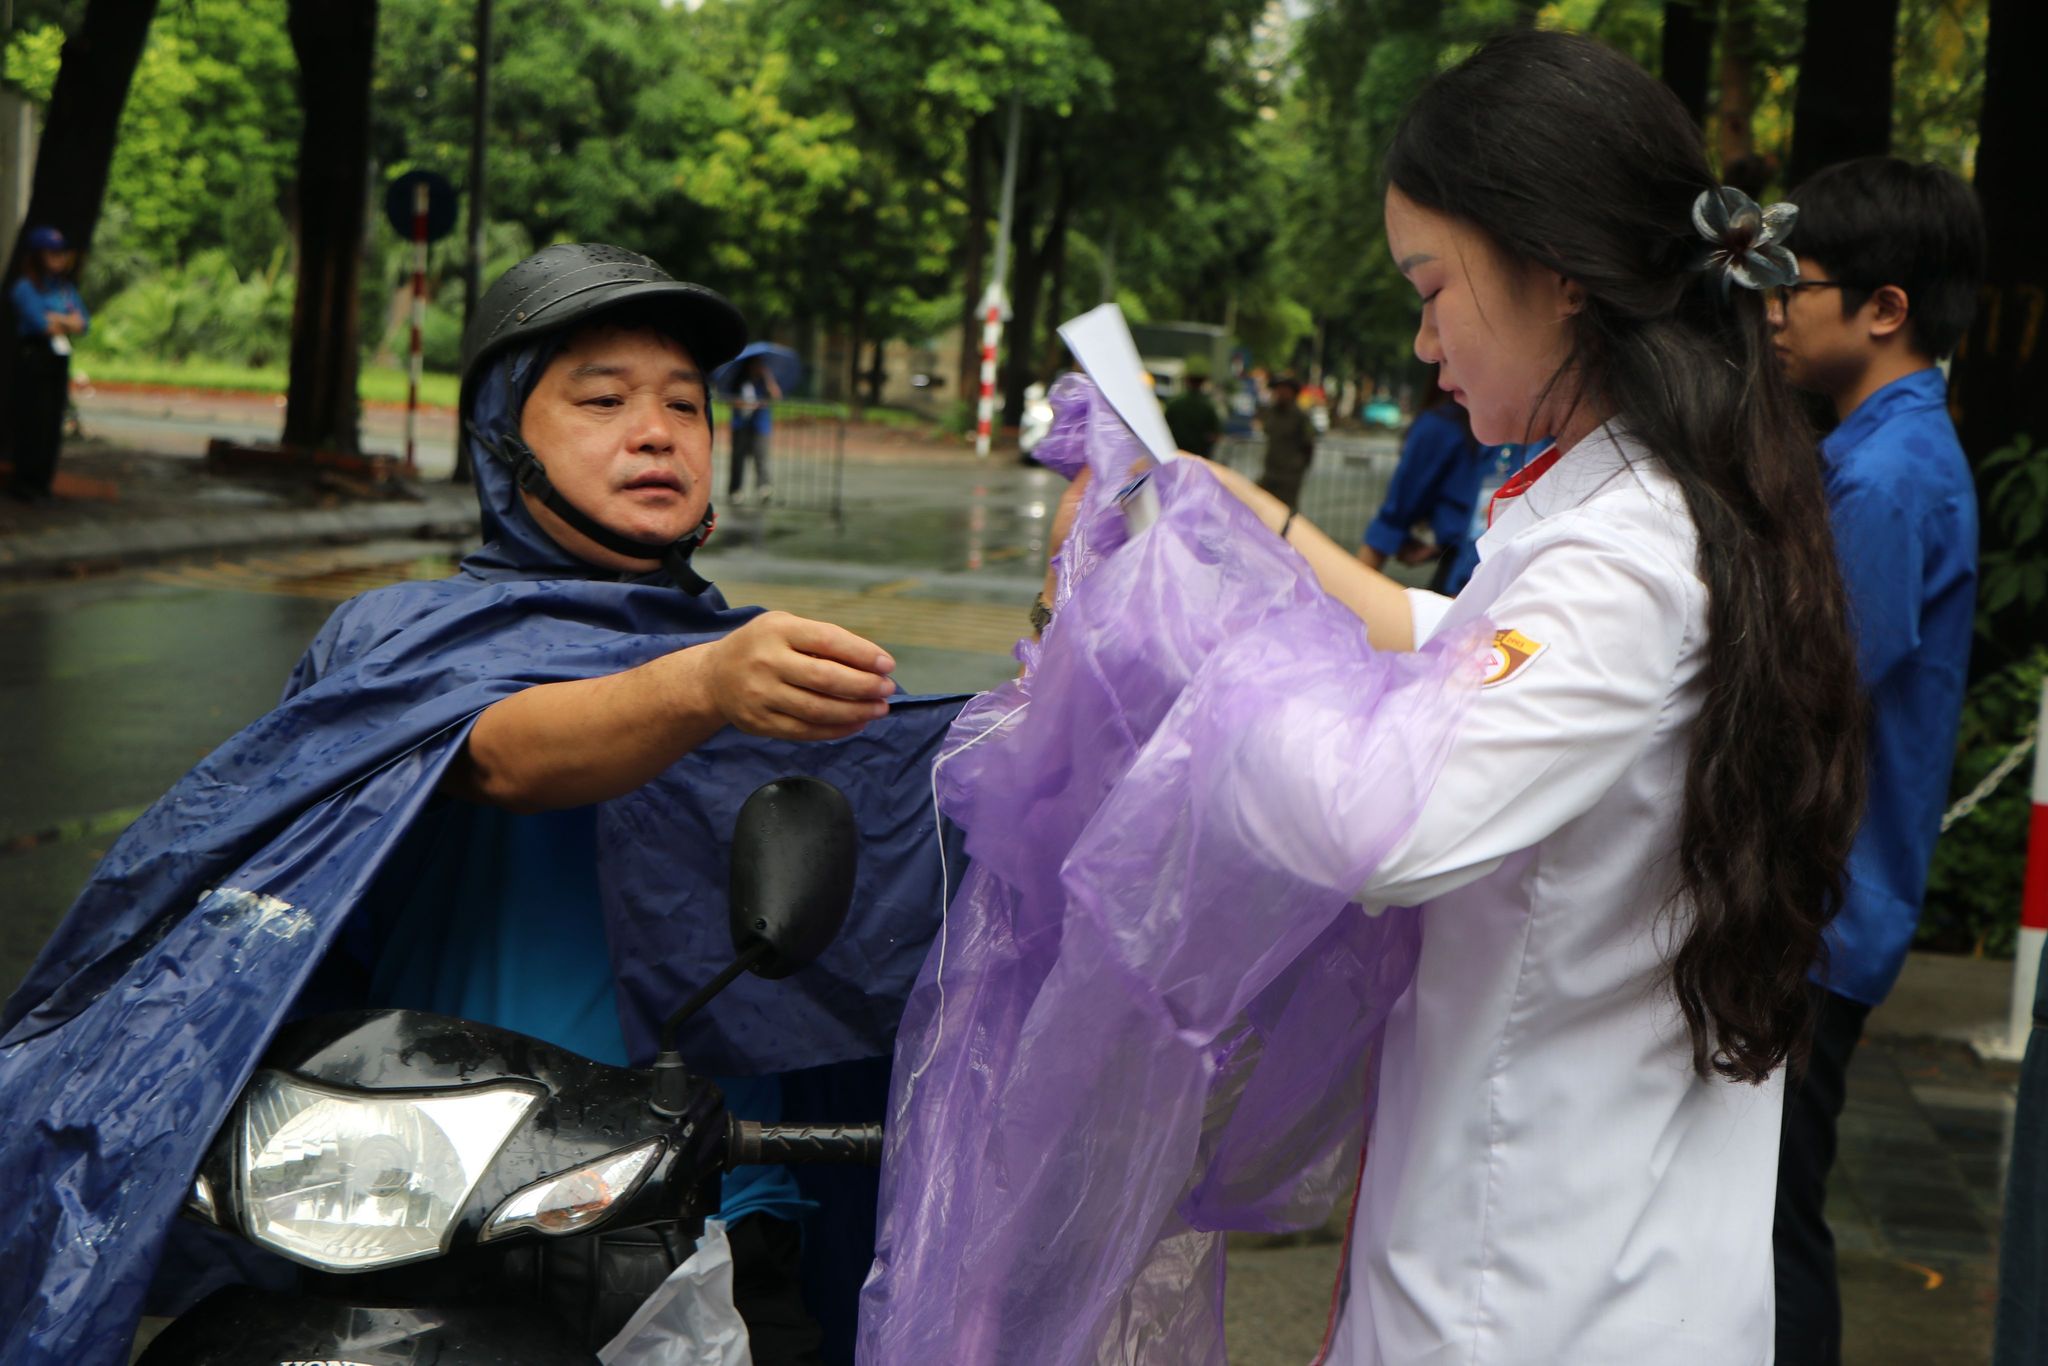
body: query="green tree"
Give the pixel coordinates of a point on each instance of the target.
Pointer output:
(598, 111)
(203, 155)
(1361, 61)
(924, 86)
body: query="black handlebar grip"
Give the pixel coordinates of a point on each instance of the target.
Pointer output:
(778, 1143)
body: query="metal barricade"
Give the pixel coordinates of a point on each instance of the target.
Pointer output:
(1346, 481)
(805, 465)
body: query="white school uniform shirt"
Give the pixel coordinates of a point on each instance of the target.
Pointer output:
(1548, 1180)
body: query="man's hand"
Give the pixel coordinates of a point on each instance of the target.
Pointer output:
(587, 740)
(787, 678)
(1414, 552)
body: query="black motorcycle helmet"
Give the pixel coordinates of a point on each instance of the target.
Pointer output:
(567, 286)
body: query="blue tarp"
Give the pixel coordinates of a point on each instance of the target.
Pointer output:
(151, 1004)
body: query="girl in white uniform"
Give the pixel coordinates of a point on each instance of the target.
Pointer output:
(1642, 825)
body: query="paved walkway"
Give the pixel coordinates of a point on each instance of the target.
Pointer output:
(1914, 1200)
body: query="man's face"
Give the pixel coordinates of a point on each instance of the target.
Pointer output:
(1822, 351)
(620, 420)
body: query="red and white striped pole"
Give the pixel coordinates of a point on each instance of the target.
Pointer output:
(991, 338)
(419, 316)
(2026, 962)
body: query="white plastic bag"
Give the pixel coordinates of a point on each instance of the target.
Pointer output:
(689, 1320)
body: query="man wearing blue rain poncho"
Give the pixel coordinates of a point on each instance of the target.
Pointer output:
(505, 795)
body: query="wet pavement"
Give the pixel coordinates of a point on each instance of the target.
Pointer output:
(111, 687)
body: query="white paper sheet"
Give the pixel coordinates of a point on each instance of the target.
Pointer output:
(1101, 341)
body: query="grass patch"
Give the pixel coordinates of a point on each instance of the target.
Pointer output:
(900, 418)
(376, 384)
(382, 384)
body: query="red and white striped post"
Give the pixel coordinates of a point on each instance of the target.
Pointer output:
(419, 316)
(2026, 962)
(991, 338)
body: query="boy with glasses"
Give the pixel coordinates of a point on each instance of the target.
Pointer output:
(1890, 259)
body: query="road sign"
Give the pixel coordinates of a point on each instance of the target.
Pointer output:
(398, 204)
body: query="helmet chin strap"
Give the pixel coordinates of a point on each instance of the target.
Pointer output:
(532, 478)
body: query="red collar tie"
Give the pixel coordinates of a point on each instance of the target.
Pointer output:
(1522, 479)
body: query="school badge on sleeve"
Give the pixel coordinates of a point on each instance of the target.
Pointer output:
(1512, 652)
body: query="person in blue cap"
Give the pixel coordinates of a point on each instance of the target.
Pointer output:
(507, 796)
(47, 314)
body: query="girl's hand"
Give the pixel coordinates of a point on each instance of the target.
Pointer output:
(1063, 515)
(1264, 505)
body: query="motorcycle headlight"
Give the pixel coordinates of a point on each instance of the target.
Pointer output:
(352, 1180)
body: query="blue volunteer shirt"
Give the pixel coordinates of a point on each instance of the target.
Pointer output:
(1905, 520)
(1437, 481)
(1500, 464)
(1445, 478)
(33, 303)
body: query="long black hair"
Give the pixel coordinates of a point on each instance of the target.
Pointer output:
(1574, 160)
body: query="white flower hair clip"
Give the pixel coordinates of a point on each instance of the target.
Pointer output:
(1744, 244)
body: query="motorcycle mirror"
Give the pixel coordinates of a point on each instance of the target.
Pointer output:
(793, 860)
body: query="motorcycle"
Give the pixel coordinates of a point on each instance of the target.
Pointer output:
(467, 1196)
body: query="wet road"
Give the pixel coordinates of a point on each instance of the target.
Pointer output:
(108, 692)
(111, 689)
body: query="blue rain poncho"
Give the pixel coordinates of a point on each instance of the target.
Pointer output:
(122, 1052)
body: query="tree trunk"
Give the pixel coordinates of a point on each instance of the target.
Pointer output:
(1020, 342)
(478, 191)
(876, 374)
(1998, 387)
(856, 325)
(336, 44)
(1688, 52)
(1734, 138)
(79, 127)
(1013, 354)
(1055, 301)
(973, 253)
(1844, 105)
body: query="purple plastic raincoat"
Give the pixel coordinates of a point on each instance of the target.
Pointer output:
(1152, 1013)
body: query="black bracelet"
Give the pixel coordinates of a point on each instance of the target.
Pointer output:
(1288, 525)
(1041, 615)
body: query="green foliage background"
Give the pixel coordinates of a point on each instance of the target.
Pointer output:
(1973, 889)
(1219, 157)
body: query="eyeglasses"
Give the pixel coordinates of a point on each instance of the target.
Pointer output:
(1781, 295)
